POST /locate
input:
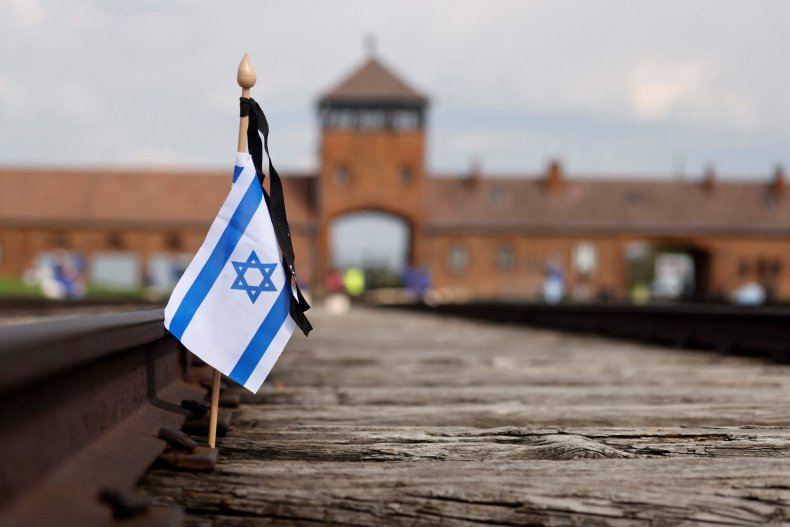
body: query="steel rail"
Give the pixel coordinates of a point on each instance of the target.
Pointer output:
(81, 402)
(762, 331)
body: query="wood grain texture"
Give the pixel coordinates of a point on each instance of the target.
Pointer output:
(390, 418)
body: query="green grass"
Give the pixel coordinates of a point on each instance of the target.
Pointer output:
(105, 293)
(15, 287)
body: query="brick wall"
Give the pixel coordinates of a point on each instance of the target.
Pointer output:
(732, 262)
(21, 245)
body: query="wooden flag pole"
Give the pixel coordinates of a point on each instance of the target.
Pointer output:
(212, 420)
(246, 79)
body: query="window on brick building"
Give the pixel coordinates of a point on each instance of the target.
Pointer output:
(115, 240)
(497, 197)
(406, 176)
(633, 197)
(116, 270)
(533, 265)
(743, 268)
(762, 268)
(406, 120)
(506, 258)
(173, 241)
(341, 119)
(60, 239)
(342, 176)
(372, 119)
(458, 258)
(585, 258)
(776, 267)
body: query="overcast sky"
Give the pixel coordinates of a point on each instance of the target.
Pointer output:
(624, 88)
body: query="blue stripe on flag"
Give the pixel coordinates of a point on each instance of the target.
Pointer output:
(237, 170)
(263, 337)
(217, 260)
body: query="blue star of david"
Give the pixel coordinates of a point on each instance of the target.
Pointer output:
(266, 269)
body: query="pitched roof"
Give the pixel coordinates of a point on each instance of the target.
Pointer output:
(170, 199)
(373, 82)
(501, 204)
(129, 197)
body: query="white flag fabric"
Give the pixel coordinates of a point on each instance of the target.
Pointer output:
(231, 307)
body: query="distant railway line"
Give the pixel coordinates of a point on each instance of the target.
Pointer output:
(763, 331)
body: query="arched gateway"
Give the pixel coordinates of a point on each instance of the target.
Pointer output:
(373, 156)
(377, 242)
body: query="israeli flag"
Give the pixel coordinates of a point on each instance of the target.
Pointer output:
(231, 307)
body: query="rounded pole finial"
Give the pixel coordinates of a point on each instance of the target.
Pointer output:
(246, 79)
(246, 75)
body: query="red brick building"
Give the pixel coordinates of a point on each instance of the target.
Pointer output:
(478, 234)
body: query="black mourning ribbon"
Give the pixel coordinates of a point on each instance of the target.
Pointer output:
(275, 202)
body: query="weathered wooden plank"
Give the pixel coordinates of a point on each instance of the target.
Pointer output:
(529, 395)
(347, 443)
(632, 492)
(515, 414)
(386, 418)
(344, 444)
(493, 365)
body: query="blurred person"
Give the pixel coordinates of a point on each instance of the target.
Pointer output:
(752, 290)
(334, 281)
(31, 275)
(354, 281)
(416, 280)
(79, 274)
(51, 287)
(640, 293)
(750, 294)
(177, 269)
(66, 272)
(553, 281)
(336, 302)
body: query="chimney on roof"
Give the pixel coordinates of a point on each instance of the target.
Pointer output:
(555, 177)
(779, 185)
(370, 45)
(709, 179)
(475, 173)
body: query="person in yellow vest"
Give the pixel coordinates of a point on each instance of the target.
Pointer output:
(354, 281)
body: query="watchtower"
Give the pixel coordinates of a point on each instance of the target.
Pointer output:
(372, 152)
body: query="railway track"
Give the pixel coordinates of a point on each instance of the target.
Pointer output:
(83, 399)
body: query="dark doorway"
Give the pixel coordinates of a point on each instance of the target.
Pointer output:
(668, 272)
